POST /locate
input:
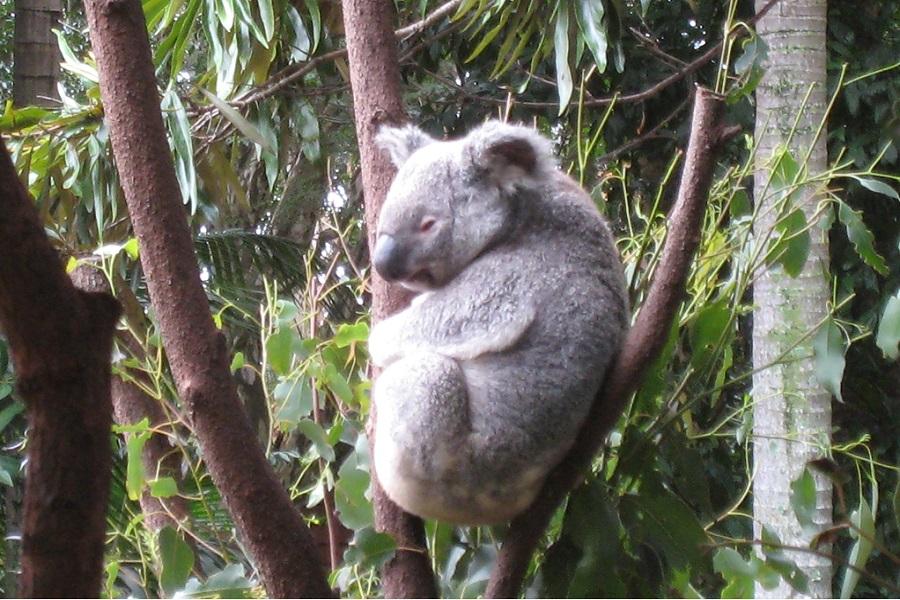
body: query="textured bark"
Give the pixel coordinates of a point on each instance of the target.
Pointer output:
(375, 81)
(274, 535)
(36, 52)
(792, 412)
(61, 340)
(131, 405)
(642, 345)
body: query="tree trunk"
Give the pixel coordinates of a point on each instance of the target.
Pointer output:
(36, 52)
(375, 81)
(131, 405)
(275, 537)
(792, 412)
(61, 341)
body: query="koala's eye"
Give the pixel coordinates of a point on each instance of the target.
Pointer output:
(426, 224)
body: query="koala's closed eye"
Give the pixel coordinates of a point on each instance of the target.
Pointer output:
(490, 373)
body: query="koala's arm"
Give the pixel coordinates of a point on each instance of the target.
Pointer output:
(462, 321)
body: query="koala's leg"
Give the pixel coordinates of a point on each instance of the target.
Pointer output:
(422, 443)
(428, 456)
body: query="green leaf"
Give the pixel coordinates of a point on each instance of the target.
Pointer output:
(710, 325)
(864, 521)
(315, 434)
(301, 47)
(134, 447)
(888, 337)
(279, 349)
(9, 413)
(589, 14)
(666, 523)
(803, 498)
(861, 237)
(177, 560)
(353, 506)
(237, 361)
(337, 383)
(267, 14)
(230, 582)
(791, 247)
(738, 574)
(561, 47)
(349, 334)
(370, 549)
(131, 248)
(237, 119)
(879, 187)
(295, 401)
(829, 350)
(163, 487)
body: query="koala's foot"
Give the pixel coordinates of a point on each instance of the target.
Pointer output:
(426, 456)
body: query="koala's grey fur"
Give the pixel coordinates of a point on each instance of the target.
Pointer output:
(490, 372)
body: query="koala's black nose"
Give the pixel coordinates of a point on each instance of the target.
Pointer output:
(388, 257)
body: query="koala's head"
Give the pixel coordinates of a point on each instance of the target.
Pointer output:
(451, 200)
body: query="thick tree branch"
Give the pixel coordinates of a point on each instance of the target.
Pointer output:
(275, 537)
(375, 80)
(642, 344)
(61, 340)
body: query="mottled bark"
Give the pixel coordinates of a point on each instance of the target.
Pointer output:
(61, 340)
(791, 411)
(275, 537)
(375, 81)
(36, 52)
(642, 345)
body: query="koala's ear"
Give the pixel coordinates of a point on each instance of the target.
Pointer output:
(401, 142)
(507, 155)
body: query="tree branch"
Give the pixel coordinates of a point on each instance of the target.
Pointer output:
(375, 81)
(275, 537)
(61, 341)
(131, 404)
(642, 344)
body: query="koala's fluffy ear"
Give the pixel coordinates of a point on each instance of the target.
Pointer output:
(401, 142)
(507, 155)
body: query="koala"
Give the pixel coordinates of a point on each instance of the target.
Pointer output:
(521, 306)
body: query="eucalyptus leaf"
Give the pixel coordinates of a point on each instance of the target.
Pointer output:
(564, 82)
(829, 348)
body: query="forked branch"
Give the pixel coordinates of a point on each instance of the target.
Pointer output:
(642, 344)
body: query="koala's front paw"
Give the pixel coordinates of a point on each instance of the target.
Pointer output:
(384, 343)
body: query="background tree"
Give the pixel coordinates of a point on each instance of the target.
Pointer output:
(792, 408)
(36, 52)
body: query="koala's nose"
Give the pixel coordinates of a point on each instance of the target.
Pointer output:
(388, 258)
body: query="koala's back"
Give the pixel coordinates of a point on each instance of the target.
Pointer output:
(527, 403)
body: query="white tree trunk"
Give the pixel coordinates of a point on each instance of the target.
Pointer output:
(792, 412)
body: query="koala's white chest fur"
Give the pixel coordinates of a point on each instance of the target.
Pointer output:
(488, 376)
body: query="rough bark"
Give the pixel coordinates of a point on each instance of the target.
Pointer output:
(275, 537)
(61, 340)
(36, 52)
(792, 412)
(642, 344)
(375, 81)
(131, 405)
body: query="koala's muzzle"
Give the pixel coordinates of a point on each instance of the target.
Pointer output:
(389, 258)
